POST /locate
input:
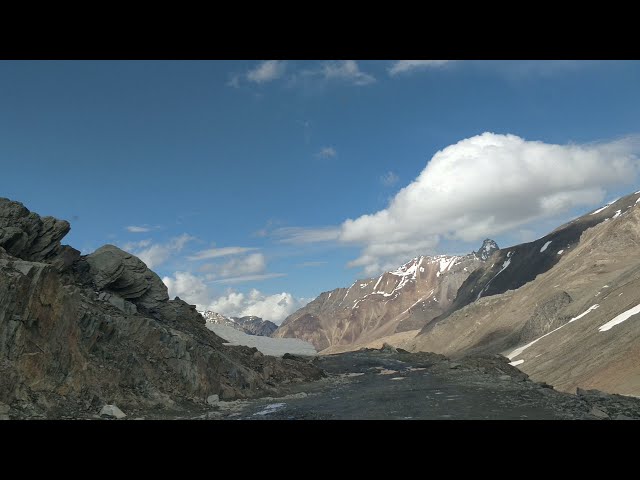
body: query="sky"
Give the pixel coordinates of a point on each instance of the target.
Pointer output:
(252, 186)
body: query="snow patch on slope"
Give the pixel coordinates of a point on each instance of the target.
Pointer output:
(519, 350)
(620, 318)
(544, 247)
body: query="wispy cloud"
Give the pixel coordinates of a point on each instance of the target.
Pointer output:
(219, 252)
(250, 264)
(139, 228)
(327, 152)
(406, 66)
(310, 264)
(155, 254)
(389, 179)
(267, 71)
(346, 70)
(301, 235)
(248, 278)
(234, 81)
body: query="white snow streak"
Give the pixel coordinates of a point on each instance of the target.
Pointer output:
(544, 247)
(620, 318)
(517, 362)
(519, 350)
(504, 267)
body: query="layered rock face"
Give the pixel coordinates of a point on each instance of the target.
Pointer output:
(80, 332)
(402, 300)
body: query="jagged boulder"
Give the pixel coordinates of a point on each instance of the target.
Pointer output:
(105, 331)
(119, 272)
(26, 235)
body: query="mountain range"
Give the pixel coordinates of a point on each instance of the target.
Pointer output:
(250, 325)
(561, 307)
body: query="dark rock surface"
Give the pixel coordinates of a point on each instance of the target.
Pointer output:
(253, 325)
(77, 333)
(381, 384)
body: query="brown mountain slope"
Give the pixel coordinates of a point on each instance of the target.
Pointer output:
(398, 301)
(558, 316)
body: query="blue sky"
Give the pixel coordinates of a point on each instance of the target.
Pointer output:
(240, 177)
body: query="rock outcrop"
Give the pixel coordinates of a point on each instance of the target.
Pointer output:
(77, 333)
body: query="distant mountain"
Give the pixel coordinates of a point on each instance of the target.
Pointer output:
(402, 300)
(250, 325)
(564, 308)
(256, 326)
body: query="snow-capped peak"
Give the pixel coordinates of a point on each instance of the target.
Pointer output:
(487, 248)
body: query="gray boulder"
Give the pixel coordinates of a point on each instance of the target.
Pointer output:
(112, 411)
(119, 272)
(26, 235)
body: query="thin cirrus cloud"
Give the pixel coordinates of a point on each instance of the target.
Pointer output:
(389, 179)
(253, 263)
(219, 252)
(155, 254)
(346, 70)
(407, 66)
(249, 278)
(302, 235)
(327, 152)
(267, 71)
(138, 228)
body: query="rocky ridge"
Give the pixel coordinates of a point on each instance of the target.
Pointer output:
(80, 332)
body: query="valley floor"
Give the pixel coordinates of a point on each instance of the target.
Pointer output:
(378, 384)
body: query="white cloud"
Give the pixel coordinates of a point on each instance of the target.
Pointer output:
(486, 185)
(249, 278)
(389, 179)
(219, 252)
(189, 288)
(250, 264)
(301, 235)
(138, 229)
(266, 71)
(154, 255)
(346, 70)
(234, 81)
(194, 291)
(327, 152)
(130, 246)
(269, 307)
(405, 66)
